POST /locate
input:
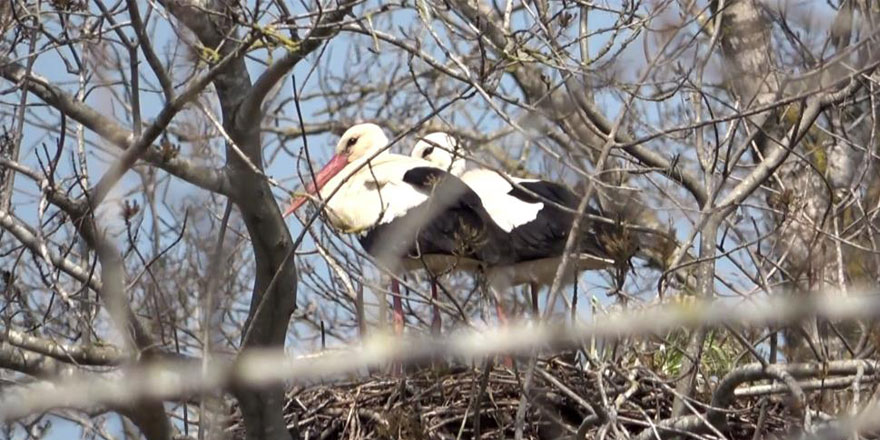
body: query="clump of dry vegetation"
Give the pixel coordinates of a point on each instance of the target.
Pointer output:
(564, 400)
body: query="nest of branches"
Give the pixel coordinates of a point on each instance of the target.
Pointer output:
(556, 399)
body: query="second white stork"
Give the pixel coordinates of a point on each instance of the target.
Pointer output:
(537, 216)
(407, 213)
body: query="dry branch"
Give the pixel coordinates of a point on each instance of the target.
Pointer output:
(259, 369)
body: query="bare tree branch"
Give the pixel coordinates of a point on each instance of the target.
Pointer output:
(103, 355)
(170, 380)
(326, 27)
(111, 131)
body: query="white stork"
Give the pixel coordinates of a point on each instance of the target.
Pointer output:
(536, 229)
(407, 213)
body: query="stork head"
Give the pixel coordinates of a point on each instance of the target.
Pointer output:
(358, 143)
(442, 150)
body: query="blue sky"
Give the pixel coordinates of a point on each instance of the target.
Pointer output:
(335, 59)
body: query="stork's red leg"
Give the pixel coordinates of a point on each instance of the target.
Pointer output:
(503, 321)
(502, 315)
(436, 323)
(397, 303)
(490, 290)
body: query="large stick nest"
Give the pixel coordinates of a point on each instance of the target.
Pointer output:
(440, 402)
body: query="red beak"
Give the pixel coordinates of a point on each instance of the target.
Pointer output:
(332, 168)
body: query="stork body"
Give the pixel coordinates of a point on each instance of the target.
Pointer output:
(535, 214)
(407, 213)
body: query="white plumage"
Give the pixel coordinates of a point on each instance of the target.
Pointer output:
(371, 189)
(507, 211)
(537, 230)
(408, 213)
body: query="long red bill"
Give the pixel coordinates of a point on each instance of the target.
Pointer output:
(333, 167)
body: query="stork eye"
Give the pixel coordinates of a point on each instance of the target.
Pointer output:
(351, 142)
(427, 152)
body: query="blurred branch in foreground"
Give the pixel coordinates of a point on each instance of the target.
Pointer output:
(271, 368)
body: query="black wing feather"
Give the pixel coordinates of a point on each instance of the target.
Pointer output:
(548, 233)
(546, 191)
(452, 221)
